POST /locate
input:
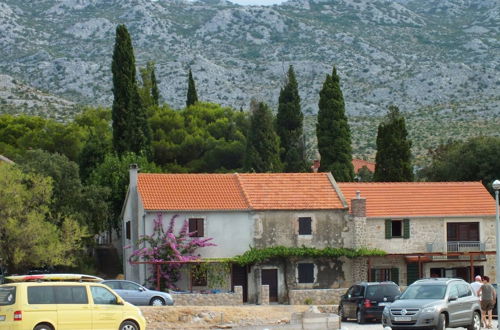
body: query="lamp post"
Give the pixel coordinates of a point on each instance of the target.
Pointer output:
(496, 187)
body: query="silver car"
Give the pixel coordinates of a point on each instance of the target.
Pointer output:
(436, 303)
(137, 294)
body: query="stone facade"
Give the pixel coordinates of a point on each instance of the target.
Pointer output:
(264, 295)
(316, 296)
(215, 299)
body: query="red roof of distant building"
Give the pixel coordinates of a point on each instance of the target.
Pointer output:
(407, 199)
(359, 163)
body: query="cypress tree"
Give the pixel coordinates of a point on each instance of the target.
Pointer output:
(393, 159)
(192, 97)
(262, 151)
(131, 130)
(289, 126)
(155, 92)
(333, 132)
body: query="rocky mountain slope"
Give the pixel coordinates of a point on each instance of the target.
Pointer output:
(438, 56)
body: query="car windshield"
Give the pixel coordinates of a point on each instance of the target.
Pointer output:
(424, 292)
(7, 295)
(381, 291)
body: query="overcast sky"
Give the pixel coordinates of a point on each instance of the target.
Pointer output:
(257, 2)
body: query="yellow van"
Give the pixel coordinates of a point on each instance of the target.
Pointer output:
(65, 305)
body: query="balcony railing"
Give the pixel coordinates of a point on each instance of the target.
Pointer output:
(456, 246)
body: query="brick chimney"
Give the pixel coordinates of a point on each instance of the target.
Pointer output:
(358, 205)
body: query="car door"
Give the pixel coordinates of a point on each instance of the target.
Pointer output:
(468, 299)
(106, 312)
(73, 308)
(352, 300)
(455, 305)
(135, 293)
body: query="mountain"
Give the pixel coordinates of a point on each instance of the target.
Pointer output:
(437, 58)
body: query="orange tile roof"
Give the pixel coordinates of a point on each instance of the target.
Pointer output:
(290, 191)
(359, 163)
(273, 191)
(414, 199)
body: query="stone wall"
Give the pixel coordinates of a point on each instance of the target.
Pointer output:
(316, 296)
(209, 299)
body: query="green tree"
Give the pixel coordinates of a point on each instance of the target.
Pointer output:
(393, 158)
(149, 92)
(27, 238)
(333, 132)
(289, 126)
(475, 159)
(262, 152)
(131, 130)
(192, 96)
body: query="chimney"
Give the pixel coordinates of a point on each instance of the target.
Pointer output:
(133, 175)
(358, 205)
(315, 166)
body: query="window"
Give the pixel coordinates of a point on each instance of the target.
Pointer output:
(103, 296)
(71, 295)
(115, 285)
(385, 274)
(397, 228)
(462, 231)
(306, 273)
(196, 226)
(130, 286)
(7, 295)
(305, 227)
(198, 276)
(127, 230)
(41, 295)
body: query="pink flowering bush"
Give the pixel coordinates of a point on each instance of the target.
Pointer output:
(164, 245)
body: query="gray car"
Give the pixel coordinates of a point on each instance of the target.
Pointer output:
(436, 303)
(137, 294)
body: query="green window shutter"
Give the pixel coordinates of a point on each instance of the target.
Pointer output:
(411, 273)
(372, 275)
(395, 275)
(388, 228)
(406, 228)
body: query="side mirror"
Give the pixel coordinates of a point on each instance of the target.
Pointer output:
(397, 297)
(452, 298)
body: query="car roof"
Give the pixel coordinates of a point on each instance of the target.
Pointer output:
(438, 280)
(377, 283)
(53, 278)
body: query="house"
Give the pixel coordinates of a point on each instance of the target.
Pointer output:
(358, 164)
(442, 229)
(426, 229)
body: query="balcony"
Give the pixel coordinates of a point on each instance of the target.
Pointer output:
(456, 246)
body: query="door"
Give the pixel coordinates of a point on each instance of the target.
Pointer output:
(133, 293)
(239, 277)
(73, 308)
(354, 296)
(456, 308)
(270, 277)
(106, 313)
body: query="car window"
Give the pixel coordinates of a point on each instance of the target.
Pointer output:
(453, 290)
(358, 291)
(464, 290)
(381, 291)
(419, 291)
(71, 295)
(115, 285)
(103, 296)
(130, 286)
(7, 295)
(41, 295)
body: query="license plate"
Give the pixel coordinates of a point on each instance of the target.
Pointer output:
(383, 304)
(402, 318)
(2, 317)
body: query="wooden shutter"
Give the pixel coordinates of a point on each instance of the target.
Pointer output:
(388, 228)
(372, 275)
(128, 232)
(406, 228)
(395, 275)
(306, 273)
(305, 226)
(411, 273)
(200, 228)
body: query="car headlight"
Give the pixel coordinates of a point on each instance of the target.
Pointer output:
(429, 309)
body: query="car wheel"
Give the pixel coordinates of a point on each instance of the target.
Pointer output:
(360, 317)
(342, 313)
(128, 325)
(43, 327)
(476, 322)
(157, 301)
(441, 325)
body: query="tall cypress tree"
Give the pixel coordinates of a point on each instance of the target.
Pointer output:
(155, 92)
(289, 126)
(192, 97)
(262, 152)
(332, 131)
(131, 130)
(393, 159)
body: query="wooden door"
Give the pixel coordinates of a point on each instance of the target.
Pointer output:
(270, 277)
(239, 277)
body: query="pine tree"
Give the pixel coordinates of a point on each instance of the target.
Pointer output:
(289, 126)
(131, 130)
(192, 97)
(262, 152)
(333, 132)
(393, 159)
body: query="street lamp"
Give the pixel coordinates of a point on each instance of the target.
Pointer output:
(496, 187)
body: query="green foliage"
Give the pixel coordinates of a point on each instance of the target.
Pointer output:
(364, 175)
(113, 173)
(289, 126)
(204, 137)
(333, 132)
(131, 132)
(254, 255)
(149, 92)
(192, 96)
(393, 159)
(475, 159)
(308, 301)
(28, 239)
(262, 151)
(216, 273)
